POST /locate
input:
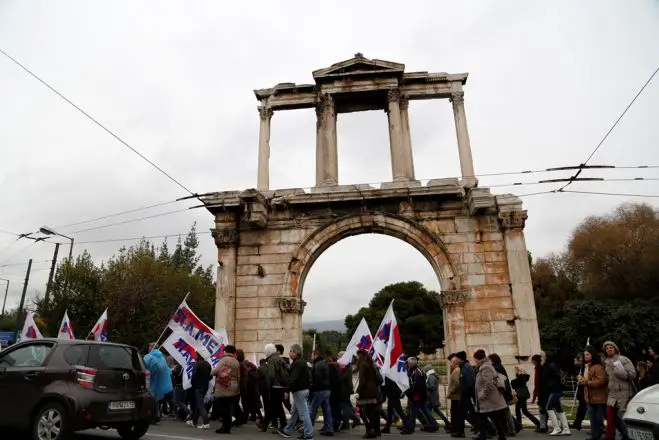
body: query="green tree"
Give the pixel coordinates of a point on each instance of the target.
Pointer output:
(417, 311)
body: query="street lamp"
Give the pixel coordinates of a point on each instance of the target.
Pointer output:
(50, 231)
(5, 300)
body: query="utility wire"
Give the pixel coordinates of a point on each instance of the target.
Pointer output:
(615, 124)
(613, 194)
(17, 252)
(25, 264)
(116, 215)
(9, 232)
(577, 179)
(110, 240)
(128, 221)
(91, 118)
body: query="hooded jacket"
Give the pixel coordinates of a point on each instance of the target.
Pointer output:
(161, 380)
(620, 379)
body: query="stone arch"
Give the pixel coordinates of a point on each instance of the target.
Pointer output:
(411, 232)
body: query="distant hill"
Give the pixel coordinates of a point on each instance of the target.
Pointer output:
(323, 326)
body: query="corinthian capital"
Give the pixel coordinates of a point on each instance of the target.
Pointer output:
(404, 102)
(393, 95)
(513, 219)
(449, 298)
(291, 305)
(265, 112)
(324, 103)
(458, 97)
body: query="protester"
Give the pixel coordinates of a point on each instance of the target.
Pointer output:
(161, 380)
(519, 384)
(507, 392)
(417, 395)
(467, 391)
(287, 398)
(490, 402)
(299, 382)
(551, 386)
(276, 378)
(320, 386)
(181, 409)
(581, 408)
(368, 393)
(594, 382)
(644, 379)
(201, 377)
(227, 387)
(393, 394)
(621, 374)
(433, 403)
(453, 394)
(539, 394)
(347, 389)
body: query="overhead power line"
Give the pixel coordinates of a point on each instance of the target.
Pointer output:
(116, 215)
(578, 179)
(613, 194)
(25, 264)
(111, 240)
(9, 232)
(128, 221)
(95, 121)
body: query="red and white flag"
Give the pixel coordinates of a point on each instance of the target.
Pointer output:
(100, 329)
(361, 340)
(65, 329)
(182, 348)
(387, 350)
(30, 329)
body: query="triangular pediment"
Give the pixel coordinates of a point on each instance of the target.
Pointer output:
(359, 65)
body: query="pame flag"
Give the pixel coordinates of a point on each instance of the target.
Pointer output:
(361, 340)
(208, 342)
(182, 348)
(30, 329)
(100, 329)
(388, 350)
(65, 329)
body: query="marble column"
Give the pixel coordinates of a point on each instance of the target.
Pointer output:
(453, 308)
(526, 321)
(398, 166)
(226, 240)
(464, 146)
(263, 182)
(327, 162)
(406, 145)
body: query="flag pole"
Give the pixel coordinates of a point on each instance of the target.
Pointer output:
(90, 331)
(574, 401)
(167, 325)
(313, 346)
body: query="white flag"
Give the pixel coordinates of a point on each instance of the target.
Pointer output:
(100, 329)
(30, 329)
(182, 348)
(65, 329)
(388, 350)
(361, 340)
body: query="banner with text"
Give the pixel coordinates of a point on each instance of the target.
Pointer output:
(182, 348)
(361, 340)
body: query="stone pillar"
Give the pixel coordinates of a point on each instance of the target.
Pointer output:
(327, 162)
(291, 317)
(406, 150)
(526, 321)
(263, 182)
(452, 303)
(226, 240)
(400, 162)
(464, 146)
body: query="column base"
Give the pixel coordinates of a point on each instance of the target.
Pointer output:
(469, 182)
(340, 188)
(401, 184)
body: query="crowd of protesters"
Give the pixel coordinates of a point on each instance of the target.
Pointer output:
(236, 392)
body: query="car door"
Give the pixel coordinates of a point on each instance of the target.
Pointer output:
(21, 372)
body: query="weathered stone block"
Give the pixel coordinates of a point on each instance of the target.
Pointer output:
(259, 236)
(293, 235)
(490, 257)
(267, 301)
(489, 303)
(247, 324)
(269, 323)
(269, 312)
(503, 326)
(245, 336)
(247, 302)
(247, 313)
(473, 315)
(491, 338)
(264, 259)
(473, 268)
(255, 280)
(277, 248)
(491, 236)
(491, 291)
(246, 291)
(477, 327)
(496, 267)
(472, 258)
(497, 278)
(493, 246)
(470, 280)
(465, 224)
(248, 250)
(269, 290)
(270, 337)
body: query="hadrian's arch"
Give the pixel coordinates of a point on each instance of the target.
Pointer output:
(268, 239)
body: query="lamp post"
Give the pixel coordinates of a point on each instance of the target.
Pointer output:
(50, 231)
(5, 300)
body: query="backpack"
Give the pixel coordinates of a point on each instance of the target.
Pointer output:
(224, 376)
(282, 373)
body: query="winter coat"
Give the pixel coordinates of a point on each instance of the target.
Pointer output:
(298, 376)
(621, 387)
(432, 387)
(519, 384)
(595, 389)
(320, 375)
(467, 380)
(453, 392)
(234, 387)
(368, 388)
(347, 387)
(161, 378)
(550, 380)
(201, 376)
(507, 389)
(488, 396)
(275, 371)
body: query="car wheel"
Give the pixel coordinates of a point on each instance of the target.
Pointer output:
(50, 423)
(133, 432)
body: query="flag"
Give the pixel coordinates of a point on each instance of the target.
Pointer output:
(387, 350)
(65, 330)
(361, 340)
(30, 329)
(182, 348)
(100, 329)
(207, 341)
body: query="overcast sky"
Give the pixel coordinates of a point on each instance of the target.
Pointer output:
(175, 80)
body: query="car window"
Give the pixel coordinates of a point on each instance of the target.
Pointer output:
(112, 357)
(77, 354)
(33, 355)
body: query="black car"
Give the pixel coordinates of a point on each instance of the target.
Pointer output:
(54, 387)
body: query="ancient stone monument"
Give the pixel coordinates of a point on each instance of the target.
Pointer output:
(269, 239)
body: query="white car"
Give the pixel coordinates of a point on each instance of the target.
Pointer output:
(642, 416)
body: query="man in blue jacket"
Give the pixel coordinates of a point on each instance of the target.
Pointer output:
(161, 379)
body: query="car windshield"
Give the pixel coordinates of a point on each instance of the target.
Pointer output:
(112, 357)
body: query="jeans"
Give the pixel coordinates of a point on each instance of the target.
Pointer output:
(371, 417)
(554, 403)
(596, 412)
(415, 408)
(441, 415)
(394, 407)
(179, 400)
(199, 408)
(300, 408)
(321, 399)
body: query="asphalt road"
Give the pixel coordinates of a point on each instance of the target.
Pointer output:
(173, 430)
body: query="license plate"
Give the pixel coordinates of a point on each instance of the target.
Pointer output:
(639, 434)
(126, 404)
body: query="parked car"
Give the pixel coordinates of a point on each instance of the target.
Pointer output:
(54, 387)
(642, 415)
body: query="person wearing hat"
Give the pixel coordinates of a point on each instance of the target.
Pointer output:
(453, 393)
(417, 396)
(433, 403)
(467, 390)
(621, 373)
